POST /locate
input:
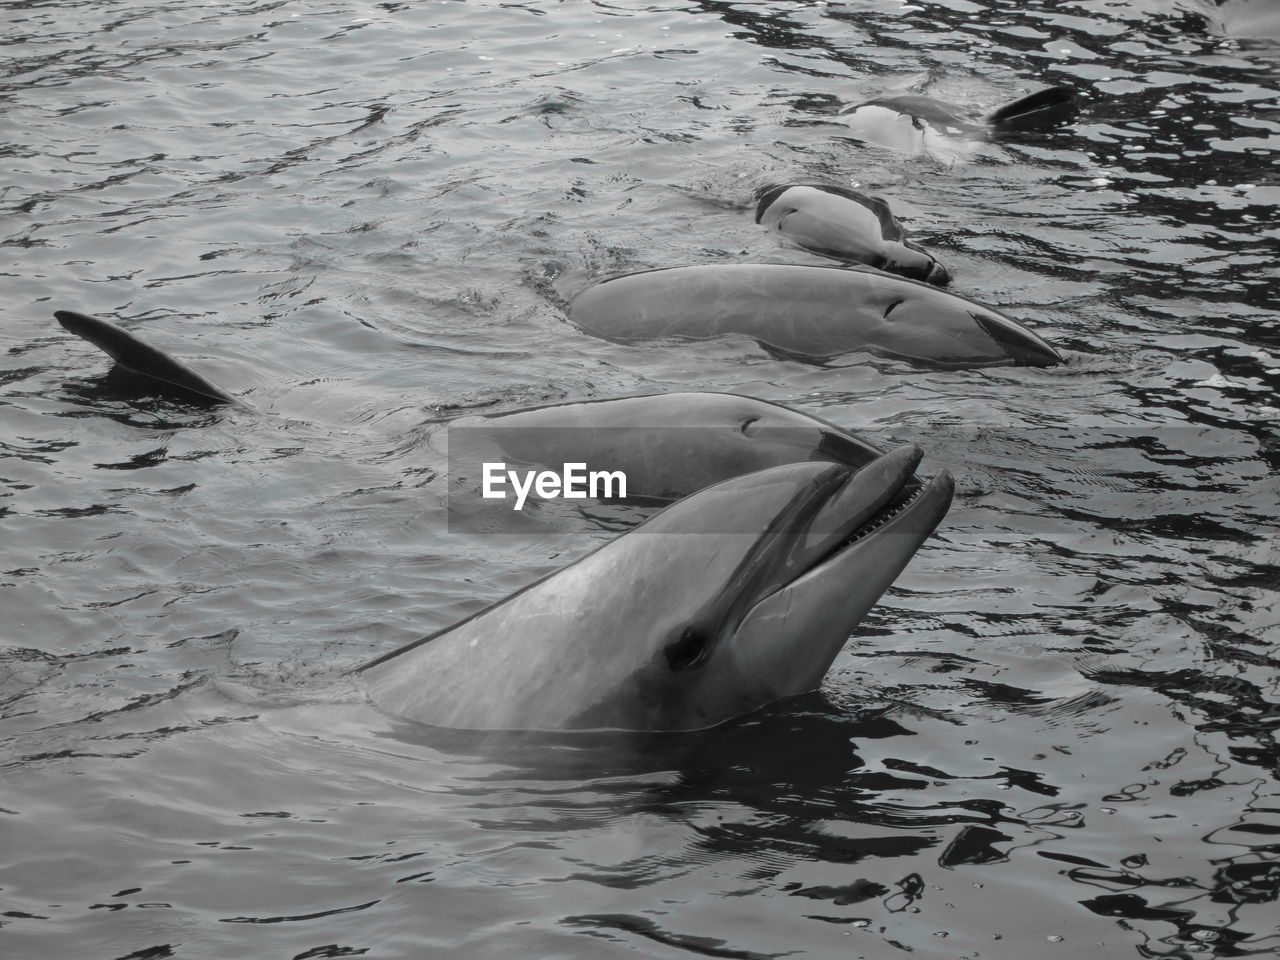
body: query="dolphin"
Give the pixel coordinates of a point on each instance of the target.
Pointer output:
(918, 124)
(837, 222)
(668, 445)
(808, 313)
(737, 596)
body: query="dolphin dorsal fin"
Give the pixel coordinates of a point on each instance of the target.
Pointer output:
(1044, 106)
(138, 356)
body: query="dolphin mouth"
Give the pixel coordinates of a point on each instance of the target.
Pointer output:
(848, 512)
(909, 494)
(913, 496)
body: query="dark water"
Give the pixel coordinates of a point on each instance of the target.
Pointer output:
(1055, 735)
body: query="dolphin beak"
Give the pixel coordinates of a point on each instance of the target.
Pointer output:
(787, 641)
(863, 495)
(846, 509)
(1020, 344)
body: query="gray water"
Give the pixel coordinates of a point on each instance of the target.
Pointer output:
(1056, 735)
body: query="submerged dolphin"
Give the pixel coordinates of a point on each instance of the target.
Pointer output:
(835, 221)
(737, 596)
(668, 445)
(919, 124)
(808, 313)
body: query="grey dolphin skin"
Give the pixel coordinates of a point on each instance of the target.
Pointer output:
(808, 313)
(835, 221)
(668, 445)
(911, 123)
(139, 357)
(737, 596)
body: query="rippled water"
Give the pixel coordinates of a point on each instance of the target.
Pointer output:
(1055, 734)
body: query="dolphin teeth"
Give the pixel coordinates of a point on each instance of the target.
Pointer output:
(883, 517)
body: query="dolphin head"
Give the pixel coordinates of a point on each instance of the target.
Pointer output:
(920, 322)
(728, 600)
(838, 222)
(829, 220)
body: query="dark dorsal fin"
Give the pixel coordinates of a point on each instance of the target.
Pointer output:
(1042, 108)
(140, 357)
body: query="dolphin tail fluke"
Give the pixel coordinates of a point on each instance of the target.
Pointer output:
(141, 358)
(1044, 108)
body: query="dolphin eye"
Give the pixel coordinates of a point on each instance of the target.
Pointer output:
(745, 427)
(690, 650)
